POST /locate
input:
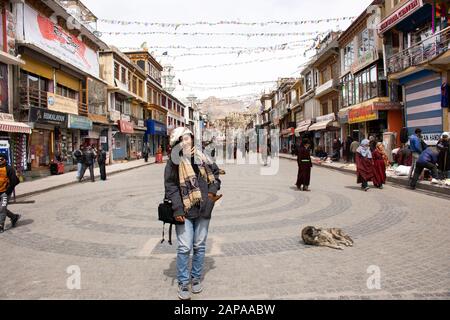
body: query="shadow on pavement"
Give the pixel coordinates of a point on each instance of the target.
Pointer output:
(171, 272)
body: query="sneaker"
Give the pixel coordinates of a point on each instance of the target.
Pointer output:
(196, 286)
(183, 292)
(14, 220)
(366, 189)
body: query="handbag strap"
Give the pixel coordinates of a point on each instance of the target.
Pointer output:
(162, 240)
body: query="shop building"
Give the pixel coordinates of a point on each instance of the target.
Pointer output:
(416, 42)
(53, 83)
(369, 106)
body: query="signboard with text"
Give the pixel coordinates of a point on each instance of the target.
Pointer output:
(61, 104)
(362, 114)
(400, 14)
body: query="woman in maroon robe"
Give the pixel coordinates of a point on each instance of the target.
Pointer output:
(304, 166)
(379, 166)
(364, 164)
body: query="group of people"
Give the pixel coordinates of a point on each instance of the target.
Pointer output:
(85, 158)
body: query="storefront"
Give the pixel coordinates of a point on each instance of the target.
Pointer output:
(49, 138)
(13, 142)
(156, 135)
(137, 139)
(372, 118)
(287, 140)
(325, 130)
(121, 141)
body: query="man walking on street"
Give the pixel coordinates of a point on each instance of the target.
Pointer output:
(78, 156)
(102, 162)
(8, 182)
(89, 160)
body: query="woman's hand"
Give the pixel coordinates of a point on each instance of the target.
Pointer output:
(180, 219)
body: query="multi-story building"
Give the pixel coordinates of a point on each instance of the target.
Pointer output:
(127, 101)
(416, 41)
(367, 108)
(60, 78)
(13, 134)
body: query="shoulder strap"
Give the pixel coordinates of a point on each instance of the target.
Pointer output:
(163, 239)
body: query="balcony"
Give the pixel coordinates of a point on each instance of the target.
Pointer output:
(329, 86)
(32, 98)
(421, 53)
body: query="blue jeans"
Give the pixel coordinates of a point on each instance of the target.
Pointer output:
(191, 236)
(79, 168)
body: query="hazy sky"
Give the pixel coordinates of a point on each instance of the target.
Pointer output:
(177, 11)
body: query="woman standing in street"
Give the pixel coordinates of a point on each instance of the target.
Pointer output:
(380, 162)
(364, 164)
(304, 166)
(191, 184)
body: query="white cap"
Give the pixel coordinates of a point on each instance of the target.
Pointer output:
(178, 133)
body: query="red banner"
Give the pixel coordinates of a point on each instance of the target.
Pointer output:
(125, 126)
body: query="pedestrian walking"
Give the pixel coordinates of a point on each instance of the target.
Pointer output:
(380, 162)
(427, 160)
(89, 160)
(444, 155)
(304, 166)
(191, 185)
(417, 146)
(8, 182)
(364, 164)
(101, 159)
(78, 157)
(353, 148)
(346, 149)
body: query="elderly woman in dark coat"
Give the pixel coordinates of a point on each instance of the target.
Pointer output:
(191, 184)
(444, 155)
(304, 166)
(364, 164)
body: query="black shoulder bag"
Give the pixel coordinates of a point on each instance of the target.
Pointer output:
(165, 214)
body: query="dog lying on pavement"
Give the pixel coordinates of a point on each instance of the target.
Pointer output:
(333, 238)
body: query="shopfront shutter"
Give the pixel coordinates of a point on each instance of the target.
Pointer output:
(67, 81)
(37, 67)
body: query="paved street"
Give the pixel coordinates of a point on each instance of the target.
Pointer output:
(110, 230)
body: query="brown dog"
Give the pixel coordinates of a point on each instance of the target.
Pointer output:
(332, 238)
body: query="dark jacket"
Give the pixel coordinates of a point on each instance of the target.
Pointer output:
(13, 180)
(444, 155)
(428, 156)
(101, 157)
(172, 192)
(89, 157)
(78, 155)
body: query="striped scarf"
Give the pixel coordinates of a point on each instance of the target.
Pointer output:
(190, 190)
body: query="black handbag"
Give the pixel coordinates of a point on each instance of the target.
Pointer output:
(165, 214)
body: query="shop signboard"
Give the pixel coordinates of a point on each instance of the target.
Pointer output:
(126, 127)
(6, 117)
(400, 14)
(362, 114)
(42, 32)
(156, 128)
(431, 139)
(77, 122)
(114, 115)
(326, 118)
(61, 104)
(45, 116)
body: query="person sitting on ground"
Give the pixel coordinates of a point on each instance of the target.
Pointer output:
(321, 154)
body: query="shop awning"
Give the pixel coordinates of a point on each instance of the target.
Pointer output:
(302, 128)
(320, 125)
(15, 127)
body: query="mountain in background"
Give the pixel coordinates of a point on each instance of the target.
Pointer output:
(218, 108)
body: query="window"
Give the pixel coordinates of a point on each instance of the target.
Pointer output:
(34, 89)
(335, 106)
(324, 108)
(325, 74)
(134, 85)
(348, 56)
(308, 81)
(373, 82)
(123, 75)
(366, 42)
(116, 71)
(140, 87)
(119, 104)
(357, 89)
(66, 92)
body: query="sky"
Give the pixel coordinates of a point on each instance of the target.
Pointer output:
(205, 82)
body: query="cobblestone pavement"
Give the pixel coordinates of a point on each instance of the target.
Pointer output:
(110, 230)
